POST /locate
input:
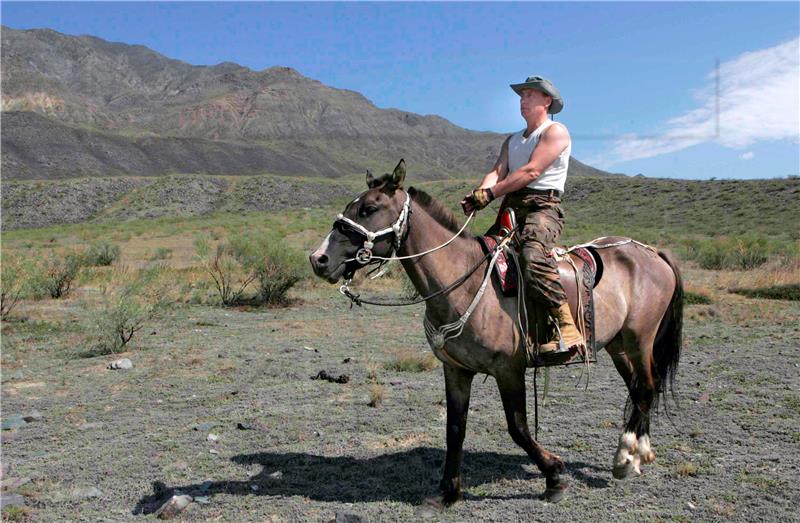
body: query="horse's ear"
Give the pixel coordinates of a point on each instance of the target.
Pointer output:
(399, 174)
(370, 180)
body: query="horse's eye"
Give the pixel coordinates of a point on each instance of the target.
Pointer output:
(366, 211)
(343, 228)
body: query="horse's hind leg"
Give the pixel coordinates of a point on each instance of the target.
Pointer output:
(634, 364)
(512, 391)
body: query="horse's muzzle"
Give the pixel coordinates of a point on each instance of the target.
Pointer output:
(320, 264)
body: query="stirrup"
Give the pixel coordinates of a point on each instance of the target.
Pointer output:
(560, 355)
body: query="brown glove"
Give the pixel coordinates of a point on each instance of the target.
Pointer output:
(482, 198)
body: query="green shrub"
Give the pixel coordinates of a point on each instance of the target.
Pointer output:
(162, 253)
(54, 275)
(696, 298)
(741, 253)
(273, 265)
(128, 302)
(15, 513)
(225, 270)
(790, 292)
(12, 284)
(101, 254)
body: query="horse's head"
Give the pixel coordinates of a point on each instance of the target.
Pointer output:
(371, 225)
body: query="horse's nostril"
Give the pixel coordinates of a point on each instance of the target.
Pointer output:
(322, 259)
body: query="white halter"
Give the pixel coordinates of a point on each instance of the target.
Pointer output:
(398, 228)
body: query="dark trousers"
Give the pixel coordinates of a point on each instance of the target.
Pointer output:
(540, 219)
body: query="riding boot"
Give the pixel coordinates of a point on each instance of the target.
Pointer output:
(554, 351)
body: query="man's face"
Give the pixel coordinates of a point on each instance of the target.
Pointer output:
(530, 100)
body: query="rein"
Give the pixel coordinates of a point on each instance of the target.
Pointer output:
(437, 336)
(399, 229)
(358, 300)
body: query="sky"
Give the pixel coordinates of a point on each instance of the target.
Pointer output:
(639, 80)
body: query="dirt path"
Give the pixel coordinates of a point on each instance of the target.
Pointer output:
(732, 452)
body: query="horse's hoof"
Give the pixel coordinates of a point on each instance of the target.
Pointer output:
(430, 507)
(556, 493)
(623, 471)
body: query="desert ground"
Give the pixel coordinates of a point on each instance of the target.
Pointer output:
(220, 404)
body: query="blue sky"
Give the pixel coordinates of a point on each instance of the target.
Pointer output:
(637, 78)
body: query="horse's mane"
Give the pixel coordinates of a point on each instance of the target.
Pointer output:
(436, 210)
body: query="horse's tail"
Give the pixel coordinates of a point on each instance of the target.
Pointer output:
(669, 340)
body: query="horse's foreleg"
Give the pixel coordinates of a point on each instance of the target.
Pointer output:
(512, 390)
(458, 385)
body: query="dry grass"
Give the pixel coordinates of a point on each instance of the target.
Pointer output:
(375, 395)
(686, 469)
(372, 370)
(740, 310)
(14, 513)
(725, 510)
(776, 272)
(409, 360)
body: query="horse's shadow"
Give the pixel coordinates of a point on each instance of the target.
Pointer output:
(407, 477)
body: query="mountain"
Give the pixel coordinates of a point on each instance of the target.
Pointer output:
(80, 106)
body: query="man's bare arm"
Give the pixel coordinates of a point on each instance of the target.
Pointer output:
(500, 169)
(553, 141)
(498, 172)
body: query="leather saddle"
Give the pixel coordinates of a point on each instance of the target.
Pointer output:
(579, 269)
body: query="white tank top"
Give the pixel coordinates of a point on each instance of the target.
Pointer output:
(520, 150)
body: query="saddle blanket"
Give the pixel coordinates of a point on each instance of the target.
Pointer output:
(505, 268)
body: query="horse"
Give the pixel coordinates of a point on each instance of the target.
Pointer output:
(638, 311)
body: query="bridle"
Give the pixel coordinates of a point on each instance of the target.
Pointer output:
(399, 228)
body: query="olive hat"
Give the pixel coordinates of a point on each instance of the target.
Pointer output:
(544, 85)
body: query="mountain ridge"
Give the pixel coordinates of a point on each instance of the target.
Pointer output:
(83, 106)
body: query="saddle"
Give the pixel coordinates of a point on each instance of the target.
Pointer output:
(579, 269)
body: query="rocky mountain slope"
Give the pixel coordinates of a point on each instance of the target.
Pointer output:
(76, 106)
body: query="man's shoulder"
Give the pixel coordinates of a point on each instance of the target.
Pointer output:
(556, 130)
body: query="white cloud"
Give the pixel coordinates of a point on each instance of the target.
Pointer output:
(747, 155)
(759, 100)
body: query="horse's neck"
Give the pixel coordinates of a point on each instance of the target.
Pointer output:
(435, 271)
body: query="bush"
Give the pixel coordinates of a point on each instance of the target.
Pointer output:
(411, 361)
(267, 262)
(273, 265)
(101, 254)
(162, 253)
(128, 302)
(12, 285)
(53, 277)
(225, 270)
(375, 395)
(742, 253)
(789, 292)
(696, 298)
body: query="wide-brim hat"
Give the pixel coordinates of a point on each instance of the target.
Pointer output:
(544, 85)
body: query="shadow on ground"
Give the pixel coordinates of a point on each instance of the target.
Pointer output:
(407, 477)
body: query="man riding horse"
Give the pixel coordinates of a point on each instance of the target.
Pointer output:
(531, 172)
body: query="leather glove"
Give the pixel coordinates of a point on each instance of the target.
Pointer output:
(477, 200)
(481, 198)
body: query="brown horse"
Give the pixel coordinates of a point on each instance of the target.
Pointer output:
(638, 306)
